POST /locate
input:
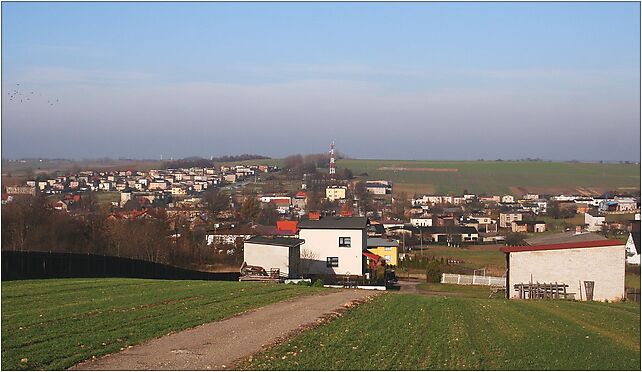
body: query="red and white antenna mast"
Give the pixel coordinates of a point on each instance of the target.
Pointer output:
(333, 170)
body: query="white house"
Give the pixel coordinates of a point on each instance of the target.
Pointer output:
(274, 253)
(508, 199)
(633, 244)
(506, 219)
(594, 223)
(579, 265)
(421, 221)
(333, 245)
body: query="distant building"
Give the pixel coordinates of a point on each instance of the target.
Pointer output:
(506, 219)
(421, 221)
(386, 248)
(379, 187)
(333, 193)
(594, 223)
(528, 226)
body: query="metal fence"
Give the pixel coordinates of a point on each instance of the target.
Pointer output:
(472, 279)
(18, 265)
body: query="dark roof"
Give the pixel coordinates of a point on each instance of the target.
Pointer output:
(285, 242)
(377, 228)
(564, 237)
(548, 247)
(380, 242)
(449, 230)
(334, 222)
(529, 222)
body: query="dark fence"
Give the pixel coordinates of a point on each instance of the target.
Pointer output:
(18, 265)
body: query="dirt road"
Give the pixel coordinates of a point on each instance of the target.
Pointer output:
(216, 345)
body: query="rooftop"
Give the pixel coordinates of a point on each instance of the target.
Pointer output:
(380, 242)
(285, 242)
(334, 222)
(565, 237)
(574, 245)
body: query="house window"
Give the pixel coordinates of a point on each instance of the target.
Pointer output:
(344, 241)
(332, 262)
(388, 248)
(387, 258)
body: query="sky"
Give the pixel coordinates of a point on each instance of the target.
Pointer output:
(558, 81)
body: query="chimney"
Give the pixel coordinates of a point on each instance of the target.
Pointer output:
(346, 213)
(314, 215)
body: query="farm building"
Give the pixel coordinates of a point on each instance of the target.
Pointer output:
(274, 253)
(588, 270)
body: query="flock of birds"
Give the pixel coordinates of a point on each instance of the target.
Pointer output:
(20, 96)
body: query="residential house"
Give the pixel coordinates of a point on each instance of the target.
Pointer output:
(593, 268)
(528, 226)
(508, 199)
(333, 193)
(451, 234)
(379, 187)
(594, 223)
(633, 244)
(333, 245)
(386, 248)
(506, 219)
(421, 221)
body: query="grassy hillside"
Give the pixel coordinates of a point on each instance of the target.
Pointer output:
(53, 324)
(409, 332)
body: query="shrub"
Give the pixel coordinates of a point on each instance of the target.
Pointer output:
(318, 283)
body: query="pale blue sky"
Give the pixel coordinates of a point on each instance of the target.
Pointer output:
(410, 80)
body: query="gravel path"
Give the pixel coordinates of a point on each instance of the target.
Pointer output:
(217, 345)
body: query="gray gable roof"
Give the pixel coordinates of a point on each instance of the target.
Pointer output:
(564, 237)
(285, 242)
(380, 242)
(334, 222)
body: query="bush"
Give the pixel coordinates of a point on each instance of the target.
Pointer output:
(434, 269)
(318, 283)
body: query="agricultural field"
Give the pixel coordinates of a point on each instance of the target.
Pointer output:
(472, 257)
(53, 324)
(497, 177)
(477, 291)
(411, 332)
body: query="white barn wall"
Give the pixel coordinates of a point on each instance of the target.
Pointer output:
(603, 265)
(268, 256)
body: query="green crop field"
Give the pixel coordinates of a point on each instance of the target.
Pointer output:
(410, 332)
(53, 324)
(494, 177)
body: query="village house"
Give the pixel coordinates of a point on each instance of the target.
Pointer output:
(451, 234)
(594, 223)
(528, 226)
(379, 187)
(508, 199)
(333, 245)
(386, 248)
(506, 219)
(333, 193)
(633, 244)
(421, 221)
(590, 270)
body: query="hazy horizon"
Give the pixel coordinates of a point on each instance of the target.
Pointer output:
(433, 81)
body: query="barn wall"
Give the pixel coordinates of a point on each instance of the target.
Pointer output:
(603, 265)
(267, 256)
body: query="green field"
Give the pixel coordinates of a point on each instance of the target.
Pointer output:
(54, 324)
(489, 257)
(494, 177)
(477, 291)
(409, 332)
